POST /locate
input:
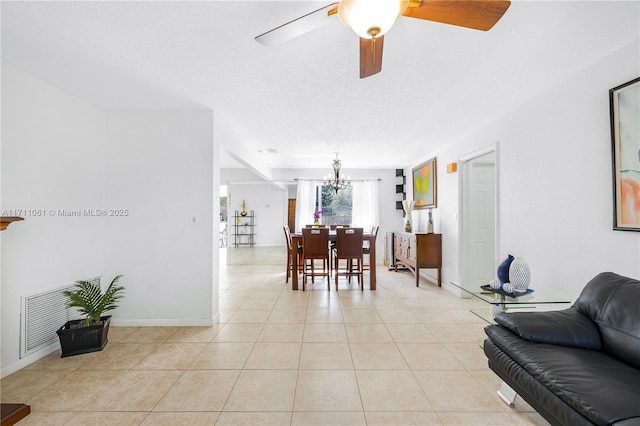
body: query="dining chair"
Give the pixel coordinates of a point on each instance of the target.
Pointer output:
(366, 248)
(334, 226)
(349, 248)
(287, 237)
(315, 246)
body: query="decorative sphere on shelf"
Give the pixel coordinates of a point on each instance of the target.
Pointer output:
(519, 275)
(495, 285)
(508, 288)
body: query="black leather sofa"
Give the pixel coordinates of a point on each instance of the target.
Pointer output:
(578, 366)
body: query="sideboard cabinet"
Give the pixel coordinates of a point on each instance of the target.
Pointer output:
(417, 251)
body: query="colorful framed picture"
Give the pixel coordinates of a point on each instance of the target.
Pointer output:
(425, 185)
(624, 103)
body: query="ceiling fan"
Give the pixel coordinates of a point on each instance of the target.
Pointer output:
(371, 19)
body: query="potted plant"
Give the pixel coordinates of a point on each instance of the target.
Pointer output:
(89, 334)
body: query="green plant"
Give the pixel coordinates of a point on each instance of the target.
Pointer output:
(90, 300)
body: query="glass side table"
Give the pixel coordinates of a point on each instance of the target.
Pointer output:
(499, 301)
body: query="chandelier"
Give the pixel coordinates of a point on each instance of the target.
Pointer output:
(336, 182)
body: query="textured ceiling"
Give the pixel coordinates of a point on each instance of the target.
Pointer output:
(304, 98)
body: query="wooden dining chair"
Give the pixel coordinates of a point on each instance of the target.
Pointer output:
(366, 248)
(287, 237)
(349, 248)
(315, 246)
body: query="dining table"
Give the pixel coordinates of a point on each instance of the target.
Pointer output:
(296, 241)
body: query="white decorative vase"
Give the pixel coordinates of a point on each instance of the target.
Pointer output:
(519, 275)
(408, 208)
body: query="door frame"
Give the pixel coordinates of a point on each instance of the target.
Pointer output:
(463, 200)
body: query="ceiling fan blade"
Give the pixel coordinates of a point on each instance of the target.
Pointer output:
(298, 26)
(370, 56)
(475, 14)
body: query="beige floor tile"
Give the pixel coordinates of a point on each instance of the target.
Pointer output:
(137, 391)
(238, 333)
(285, 301)
(46, 418)
(325, 356)
(459, 333)
(172, 356)
(377, 356)
(323, 418)
(117, 334)
(327, 390)
(287, 316)
(385, 418)
(148, 334)
(429, 356)
(80, 389)
(25, 384)
(180, 419)
(54, 362)
(283, 333)
(325, 333)
(324, 316)
(456, 391)
(107, 418)
(355, 300)
(250, 316)
(254, 418)
(468, 354)
(120, 356)
(222, 355)
(411, 333)
(398, 316)
(391, 390)
(368, 333)
(274, 356)
(195, 334)
(326, 352)
(258, 304)
(263, 390)
(488, 419)
(199, 390)
(361, 316)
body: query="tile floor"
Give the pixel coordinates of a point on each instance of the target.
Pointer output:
(399, 355)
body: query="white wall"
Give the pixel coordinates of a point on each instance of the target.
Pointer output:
(159, 167)
(554, 182)
(60, 153)
(52, 160)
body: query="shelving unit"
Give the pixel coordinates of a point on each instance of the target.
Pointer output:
(244, 229)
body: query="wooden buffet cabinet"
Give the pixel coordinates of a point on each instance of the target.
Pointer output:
(417, 251)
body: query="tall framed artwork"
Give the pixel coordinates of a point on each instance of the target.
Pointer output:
(624, 103)
(425, 185)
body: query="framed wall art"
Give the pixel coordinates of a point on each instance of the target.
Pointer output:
(624, 103)
(425, 185)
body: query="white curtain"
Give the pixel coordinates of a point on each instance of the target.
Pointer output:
(365, 204)
(305, 203)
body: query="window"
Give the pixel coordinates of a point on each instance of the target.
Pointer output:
(336, 207)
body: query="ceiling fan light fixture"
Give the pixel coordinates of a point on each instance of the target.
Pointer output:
(371, 18)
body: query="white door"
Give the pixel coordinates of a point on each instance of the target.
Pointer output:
(478, 215)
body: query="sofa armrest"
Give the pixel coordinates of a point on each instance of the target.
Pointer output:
(567, 328)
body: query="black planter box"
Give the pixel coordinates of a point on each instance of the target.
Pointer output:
(76, 339)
